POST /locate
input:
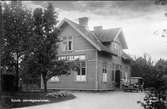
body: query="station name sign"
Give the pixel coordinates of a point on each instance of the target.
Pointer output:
(72, 58)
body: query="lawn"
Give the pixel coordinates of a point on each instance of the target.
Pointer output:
(23, 99)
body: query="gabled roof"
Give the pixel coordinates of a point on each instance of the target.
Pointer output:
(92, 37)
(107, 35)
(110, 35)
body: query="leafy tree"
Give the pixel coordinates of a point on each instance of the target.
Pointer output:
(44, 44)
(17, 28)
(143, 67)
(161, 2)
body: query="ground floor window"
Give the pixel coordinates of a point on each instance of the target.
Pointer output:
(113, 75)
(123, 75)
(54, 79)
(126, 75)
(81, 71)
(113, 72)
(104, 72)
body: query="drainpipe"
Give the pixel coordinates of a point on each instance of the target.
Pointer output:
(96, 70)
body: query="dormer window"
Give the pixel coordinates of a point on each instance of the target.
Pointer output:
(115, 46)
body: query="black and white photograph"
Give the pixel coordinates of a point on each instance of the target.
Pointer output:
(83, 54)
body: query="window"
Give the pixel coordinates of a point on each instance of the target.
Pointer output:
(116, 47)
(81, 71)
(113, 72)
(118, 67)
(123, 75)
(54, 79)
(67, 43)
(126, 75)
(104, 72)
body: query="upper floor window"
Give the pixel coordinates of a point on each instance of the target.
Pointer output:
(67, 43)
(116, 47)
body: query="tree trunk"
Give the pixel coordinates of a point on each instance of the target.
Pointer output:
(17, 73)
(44, 82)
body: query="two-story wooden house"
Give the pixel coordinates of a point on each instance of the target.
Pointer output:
(102, 62)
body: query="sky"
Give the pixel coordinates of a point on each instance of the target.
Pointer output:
(142, 21)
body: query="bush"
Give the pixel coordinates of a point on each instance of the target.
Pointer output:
(58, 94)
(154, 100)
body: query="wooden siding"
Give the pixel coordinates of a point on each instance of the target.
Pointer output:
(80, 47)
(69, 81)
(109, 60)
(94, 64)
(79, 43)
(109, 84)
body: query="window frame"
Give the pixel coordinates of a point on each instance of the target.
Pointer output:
(116, 46)
(66, 41)
(113, 72)
(104, 73)
(82, 77)
(57, 77)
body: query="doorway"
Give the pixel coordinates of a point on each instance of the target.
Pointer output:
(117, 78)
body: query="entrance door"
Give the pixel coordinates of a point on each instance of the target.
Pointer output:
(117, 78)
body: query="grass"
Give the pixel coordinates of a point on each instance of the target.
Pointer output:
(23, 99)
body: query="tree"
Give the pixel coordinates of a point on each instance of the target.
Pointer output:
(17, 29)
(44, 44)
(161, 2)
(143, 67)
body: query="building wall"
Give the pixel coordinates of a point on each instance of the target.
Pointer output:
(80, 43)
(109, 85)
(94, 65)
(80, 47)
(110, 61)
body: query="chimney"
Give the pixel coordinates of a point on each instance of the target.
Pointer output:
(98, 28)
(83, 21)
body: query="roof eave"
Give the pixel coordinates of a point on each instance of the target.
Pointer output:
(125, 46)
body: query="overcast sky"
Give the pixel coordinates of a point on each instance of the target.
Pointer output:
(141, 21)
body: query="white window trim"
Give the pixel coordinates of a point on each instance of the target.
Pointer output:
(113, 72)
(81, 78)
(104, 74)
(67, 42)
(116, 46)
(54, 79)
(104, 77)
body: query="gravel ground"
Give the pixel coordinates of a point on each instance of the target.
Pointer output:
(102, 100)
